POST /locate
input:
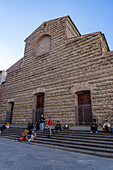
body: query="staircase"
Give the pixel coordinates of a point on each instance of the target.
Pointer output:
(81, 141)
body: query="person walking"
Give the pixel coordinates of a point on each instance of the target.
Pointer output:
(50, 126)
(42, 120)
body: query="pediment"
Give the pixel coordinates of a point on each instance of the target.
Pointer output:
(71, 30)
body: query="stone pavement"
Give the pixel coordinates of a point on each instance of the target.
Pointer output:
(15, 155)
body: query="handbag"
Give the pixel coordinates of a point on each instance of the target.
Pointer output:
(21, 139)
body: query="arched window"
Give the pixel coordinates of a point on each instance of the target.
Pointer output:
(42, 45)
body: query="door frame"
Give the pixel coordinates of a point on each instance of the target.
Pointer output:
(81, 91)
(34, 112)
(87, 106)
(9, 114)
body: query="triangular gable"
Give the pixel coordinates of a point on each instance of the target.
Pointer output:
(71, 29)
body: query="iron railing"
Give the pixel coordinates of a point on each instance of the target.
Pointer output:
(37, 114)
(84, 114)
(9, 116)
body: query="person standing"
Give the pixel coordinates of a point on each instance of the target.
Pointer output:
(50, 126)
(42, 120)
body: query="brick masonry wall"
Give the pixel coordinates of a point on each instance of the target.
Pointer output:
(58, 72)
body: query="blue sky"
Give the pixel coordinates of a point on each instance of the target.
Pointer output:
(19, 18)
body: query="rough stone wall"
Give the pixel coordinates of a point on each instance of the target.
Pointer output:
(102, 96)
(67, 64)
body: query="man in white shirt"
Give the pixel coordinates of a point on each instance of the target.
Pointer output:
(106, 127)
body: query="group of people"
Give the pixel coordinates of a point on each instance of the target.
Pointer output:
(41, 123)
(94, 126)
(29, 134)
(50, 123)
(106, 126)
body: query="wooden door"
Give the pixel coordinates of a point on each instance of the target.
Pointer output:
(10, 112)
(39, 106)
(12, 106)
(84, 108)
(40, 101)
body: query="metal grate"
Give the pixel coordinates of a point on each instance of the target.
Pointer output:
(84, 114)
(9, 116)
(37, 114)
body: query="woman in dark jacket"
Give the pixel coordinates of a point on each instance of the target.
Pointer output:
(30, 127)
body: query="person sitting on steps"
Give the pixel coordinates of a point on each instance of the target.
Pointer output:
(65, 127)
(24, 136)
(94, 127)
(106, 126)
(58, 127)
(30, 127)
(5, 125)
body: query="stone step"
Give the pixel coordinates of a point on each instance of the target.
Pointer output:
(64, 131)
(69, 139)
(89, 152)
(87, 135)
(79, 139)
(65, 134)
(100, 144)
(83, 147)
(94, 145)
(110, 142)
(96, 137)
(71, 149)
(84, 142)
(70, 132)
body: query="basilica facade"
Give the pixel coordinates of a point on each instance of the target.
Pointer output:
(63, 74)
